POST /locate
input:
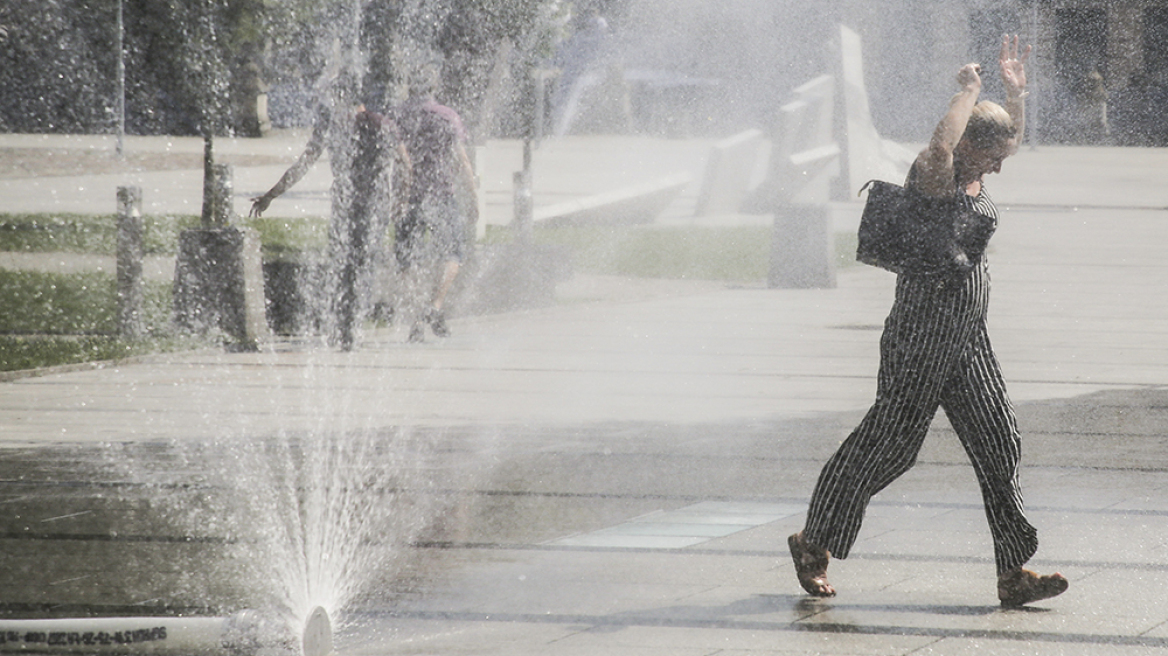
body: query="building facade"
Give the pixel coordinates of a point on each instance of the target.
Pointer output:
(1098, 74)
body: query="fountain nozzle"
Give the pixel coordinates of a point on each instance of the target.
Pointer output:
(318, 634)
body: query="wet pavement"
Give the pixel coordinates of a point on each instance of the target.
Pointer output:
(617, 473)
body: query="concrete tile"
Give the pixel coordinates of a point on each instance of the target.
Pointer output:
(763, 539)
(689, 516)
(397, 636)
(747, 508)
(750, 639)
(683, 527)
(602, 540)
(668, 529)
(981, 645)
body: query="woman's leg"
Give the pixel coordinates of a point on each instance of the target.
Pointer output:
(977, 406)
(975, 401)
(924, 336)
(882, 447)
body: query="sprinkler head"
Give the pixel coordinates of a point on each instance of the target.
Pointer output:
(318, 634)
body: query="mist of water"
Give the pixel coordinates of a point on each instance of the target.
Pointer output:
(294, 522)
(313, 519)
(322, 516)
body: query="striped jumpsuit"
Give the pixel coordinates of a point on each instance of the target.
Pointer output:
(934, 352)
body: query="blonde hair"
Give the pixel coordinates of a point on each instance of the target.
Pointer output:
(989, 125)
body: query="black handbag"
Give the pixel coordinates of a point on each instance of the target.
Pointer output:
(903, 230)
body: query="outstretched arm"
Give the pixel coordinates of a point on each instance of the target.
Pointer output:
(935, 163)
(294, 173)
(1013, 67)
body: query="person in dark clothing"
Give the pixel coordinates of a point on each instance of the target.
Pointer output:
(366, 156)
(935, 352)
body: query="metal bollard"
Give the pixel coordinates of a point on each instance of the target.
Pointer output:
(218, 188)
(223, 187)
(129, 262)
(524, 204)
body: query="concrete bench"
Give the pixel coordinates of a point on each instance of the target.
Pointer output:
(635, 204)
(729, 173)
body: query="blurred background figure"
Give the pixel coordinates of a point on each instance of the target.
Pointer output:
(364, 151)
(442, 209)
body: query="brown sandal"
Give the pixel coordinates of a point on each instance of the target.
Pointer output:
(1021, 586)
(810, 566)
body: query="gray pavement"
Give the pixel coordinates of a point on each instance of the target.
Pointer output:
(616, 474)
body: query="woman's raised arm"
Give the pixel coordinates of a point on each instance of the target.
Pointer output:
(935, 163)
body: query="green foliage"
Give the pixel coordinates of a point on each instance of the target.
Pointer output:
(703, 253)
(72, 233)
(739, 253)
(54, 59)
(284, 239)
(76, 233)
(32, 303)
(736, 254)
(503, 19)
(291, 30)
(49, 319)
(72, 304)
(19, 353)
(191, 64)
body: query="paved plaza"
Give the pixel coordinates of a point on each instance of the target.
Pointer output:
(617, 473)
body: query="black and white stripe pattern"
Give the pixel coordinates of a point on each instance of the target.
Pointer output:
(935, 352)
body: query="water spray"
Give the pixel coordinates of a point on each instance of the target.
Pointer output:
(246, 633)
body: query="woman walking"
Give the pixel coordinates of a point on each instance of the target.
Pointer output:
(935, 352)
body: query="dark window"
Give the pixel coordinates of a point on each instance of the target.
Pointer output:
(1080, 43)
(1156, 38)
(1080, 58)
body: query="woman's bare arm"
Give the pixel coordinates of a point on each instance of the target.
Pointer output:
(935, 163)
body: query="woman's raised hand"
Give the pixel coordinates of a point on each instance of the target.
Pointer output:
(969, 77)
(1013, 65)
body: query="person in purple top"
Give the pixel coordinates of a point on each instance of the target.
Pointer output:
(442, 173)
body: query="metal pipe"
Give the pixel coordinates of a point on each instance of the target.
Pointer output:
(242, 634)
(120, 99)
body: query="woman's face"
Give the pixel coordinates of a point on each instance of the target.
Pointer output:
(972, 162)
